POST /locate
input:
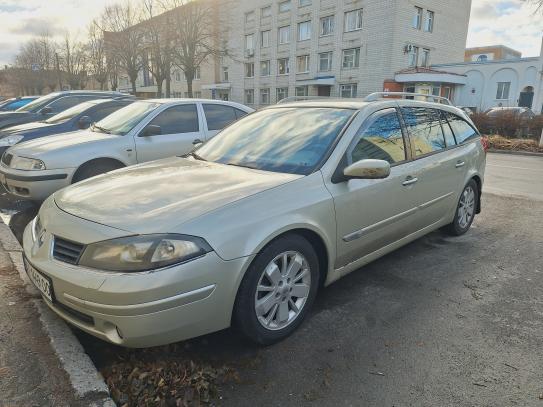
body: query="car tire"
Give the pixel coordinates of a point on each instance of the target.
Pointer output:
(465, 210)
(267, 308)
(90, 170)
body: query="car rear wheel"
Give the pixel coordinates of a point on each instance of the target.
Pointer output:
(278, 290)
(465, 211)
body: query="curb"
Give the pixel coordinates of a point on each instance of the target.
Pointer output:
(526, 153)
(86, 381)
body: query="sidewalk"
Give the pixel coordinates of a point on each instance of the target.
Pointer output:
(31, 373)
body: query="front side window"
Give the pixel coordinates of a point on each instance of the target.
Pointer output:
(282, 93)
(348, 90)
(284, 35)
(304, 31)
(218, 116)
(250, 70)
(424, 128)
(327, 26)
(284, 6)
(265, 68)
(303, 64)
(379, 138)
(462, 130)
(67, 102)
(283, 66)
(503, 90)
(249, 96)
(351, 58)
(265, 39)
(417, 18)
(69, 113)
(353, 20)
(287, 140)
(265, 96)
(429, 24)
(325, 61)
(124, 120)
(177, 120)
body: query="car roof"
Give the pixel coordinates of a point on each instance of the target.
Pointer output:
(192, 100)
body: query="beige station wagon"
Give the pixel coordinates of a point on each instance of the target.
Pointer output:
(248, 228)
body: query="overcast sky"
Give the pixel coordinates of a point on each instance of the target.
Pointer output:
(508, 22)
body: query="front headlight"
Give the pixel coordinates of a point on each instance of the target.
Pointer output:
(26, 164)
(143, 253)
(9, 141)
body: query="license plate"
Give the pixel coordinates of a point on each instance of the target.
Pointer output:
(42, 283)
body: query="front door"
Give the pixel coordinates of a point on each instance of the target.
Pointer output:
(526, 99)
(324, 91)
(180, 128)
(371, 214)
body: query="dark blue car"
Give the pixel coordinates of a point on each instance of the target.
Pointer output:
(76, 118)
(12, 104)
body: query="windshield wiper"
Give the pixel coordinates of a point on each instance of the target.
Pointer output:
(196, 156)
(94, 126)
(251, 167)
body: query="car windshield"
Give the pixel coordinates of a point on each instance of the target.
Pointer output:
(70, 113)
(125, 119)
(288, 140)
(37, 104)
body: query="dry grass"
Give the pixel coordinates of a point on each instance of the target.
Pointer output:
(501, 143)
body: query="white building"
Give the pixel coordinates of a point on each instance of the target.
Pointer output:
(342, 48)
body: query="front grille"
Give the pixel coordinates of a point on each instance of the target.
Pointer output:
(66, 251)
(6, 159)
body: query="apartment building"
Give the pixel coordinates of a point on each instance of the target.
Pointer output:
(345, 48)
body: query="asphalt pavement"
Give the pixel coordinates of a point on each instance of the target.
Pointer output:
(441, 322)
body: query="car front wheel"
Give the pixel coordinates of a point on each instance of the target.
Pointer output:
(277, 290)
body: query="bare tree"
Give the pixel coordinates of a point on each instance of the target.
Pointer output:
(73, 61)
(124, 38)
(159, 34)
(195, 36)
(538, 4)
(97, 55)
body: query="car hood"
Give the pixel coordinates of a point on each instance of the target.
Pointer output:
(26, 127)
(15, 118)
(41, 146)
(158, 196)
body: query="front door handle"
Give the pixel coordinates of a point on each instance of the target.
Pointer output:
(197, 142)
(410, 181)
(460, 164)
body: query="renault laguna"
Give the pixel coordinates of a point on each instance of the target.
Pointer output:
(247, 229)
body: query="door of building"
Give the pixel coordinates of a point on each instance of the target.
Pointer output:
(324, 90)
(526, 98)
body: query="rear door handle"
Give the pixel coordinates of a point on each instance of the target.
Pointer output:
(410, 181)
(460, 164)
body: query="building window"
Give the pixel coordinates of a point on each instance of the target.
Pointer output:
(351, 58)
(429, 24)
(250, 17)
(265, 12)
(482, 58)
(250, 70)
(284, 6)
(282, 93)
(302, 91)
(265, 68)
(413, 56)
(265, 96)
(304, 31)
(425, 58)
(325, 62)
(250, 42)
(284, 35)
(503, 90)
(195, 95)
(196, 74)
(303, 64)
(225, 74)
(417, 18)
(178, 76)
(304, 3)
(348, 90)
(249, 96)
(265, 39)
(283, 66)
(327, 26)
(353, 20)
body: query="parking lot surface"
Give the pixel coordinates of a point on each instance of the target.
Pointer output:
(441, 322)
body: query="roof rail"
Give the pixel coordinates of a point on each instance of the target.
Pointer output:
(382, 95)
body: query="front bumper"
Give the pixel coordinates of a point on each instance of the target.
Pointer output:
(136, 309)
(34, 185)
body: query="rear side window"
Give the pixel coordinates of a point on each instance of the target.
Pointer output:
(424, 127)
(67, 102)
(462, 129)
(380, 138)
(447, 131)
(218, 116)
(178, 119)
(240, 113)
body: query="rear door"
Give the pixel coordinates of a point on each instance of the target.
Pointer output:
(180, 128)
(217, 117)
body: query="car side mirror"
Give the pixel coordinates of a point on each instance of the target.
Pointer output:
(368, 169)
(151, 130)
(84, 122)
(46, 110)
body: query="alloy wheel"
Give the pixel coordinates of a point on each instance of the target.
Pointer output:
(466, 209)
